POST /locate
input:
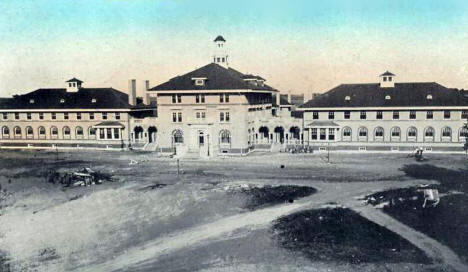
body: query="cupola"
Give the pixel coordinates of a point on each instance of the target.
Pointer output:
(73, 85)
(220, 55)
(387, 80)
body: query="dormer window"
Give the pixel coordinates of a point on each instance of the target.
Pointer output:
(347, 98)
(199, 81)
(387, 97)
(94, 100)
(429, 97)
(62, 100)
(31, 101)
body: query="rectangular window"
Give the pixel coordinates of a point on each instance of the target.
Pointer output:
(363, 115)
(331, 115)
(54, 116)
(41, 116)
(109, 133)
(379, 115)
(65, 115)
(412, 114)
(396, 115)
(174, 99)
(104, 116)
(101, 133)
(197, 98)
(116, 133)
(221, 98)
(331, 134)
(447, 114)
(429, 114)
(174, 117)
(313, 134)
(179, 117)
(28, 116)
(198, 115)
(91, 115)
(347, 114)
(16, 116)
(203, 115)
(221, 116)
(5, 116)
(179, 98)
(323, 134)
(202, 98)
(78, 116)
(228, 118)
(117, 115)
(226, 98)
(464, 114)
(315, 115)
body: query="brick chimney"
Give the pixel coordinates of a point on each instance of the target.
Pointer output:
(132, 92)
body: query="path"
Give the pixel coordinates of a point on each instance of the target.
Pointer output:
(327, 192)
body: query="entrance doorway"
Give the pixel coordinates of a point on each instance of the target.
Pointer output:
(201, 138)
(152, 134)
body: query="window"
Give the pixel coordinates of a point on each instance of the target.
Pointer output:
(463, 132)
(16, 116)
(41, 116)
(347, 114)
(429, 114)
(396, 132)
(464, 114)
(117, 115)
(379, 132)
(179, 117)
(446, 114)
(78, 116)
(65, 116)
(223, 59)
(174, 117)
(101, 133)
(202, 98)
(223, 98)
(104, 116)
(396, 115)
(179, 98)
(198, 115)
(42, 132)
(178, 136)
(62, 101)
(221, 116)
(199, 82)
(28, 116)
(313, 133)
(109, 133)
(29, 132)
(203, 115)
(17, 131)
(116, 133)
(54, 131)
(347, 132)
(31, 101)
(315, 115)
(92, 132)
(446, 132)
(429, 97)
(389, 78)
(94, 100)
(429, 132)
(363, 115)
(412, 132)
(362, 132)
(388, 97)
(378, 115)
(323, 134)
(331, 134)
(412, 114)
(174, 99)
(197, 98)
(347, 98)
(91, 115)
(384, 78)
(5, 116)
(66, 131)
(225, 137)
(6, 132)
(331, 115)
(79, 131)
(228, 118)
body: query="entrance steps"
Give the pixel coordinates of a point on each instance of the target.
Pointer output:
(276, 147)
(151, 147)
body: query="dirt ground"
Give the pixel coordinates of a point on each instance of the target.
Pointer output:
(156, 218)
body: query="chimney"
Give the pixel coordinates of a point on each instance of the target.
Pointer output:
(278, 99)
(132, 92)
(146, 97)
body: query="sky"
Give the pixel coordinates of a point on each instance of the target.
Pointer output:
(301, 46)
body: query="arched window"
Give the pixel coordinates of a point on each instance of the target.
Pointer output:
(264, 132)
(17, 131)
(446, 132)
(395, 132)
(92, 132)
(79, 131)
(225, 137)
(429, 132)
(5, 132)
(42, 132)
(178, 136)
(29, 132)
(54, 132)
(362, 132)
(379, 133)
(463, 134)
(412, 133)
(347, 133)
(66, 131)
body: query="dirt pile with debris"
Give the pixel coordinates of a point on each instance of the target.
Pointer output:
(84, 177)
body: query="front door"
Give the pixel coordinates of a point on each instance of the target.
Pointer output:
(201, 139)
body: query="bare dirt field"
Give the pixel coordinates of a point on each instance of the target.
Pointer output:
(264, 212)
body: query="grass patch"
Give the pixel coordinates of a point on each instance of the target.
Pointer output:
(450, 180)
(342, 235)
(447, 222)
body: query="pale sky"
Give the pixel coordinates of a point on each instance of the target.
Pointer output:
(301, 46)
